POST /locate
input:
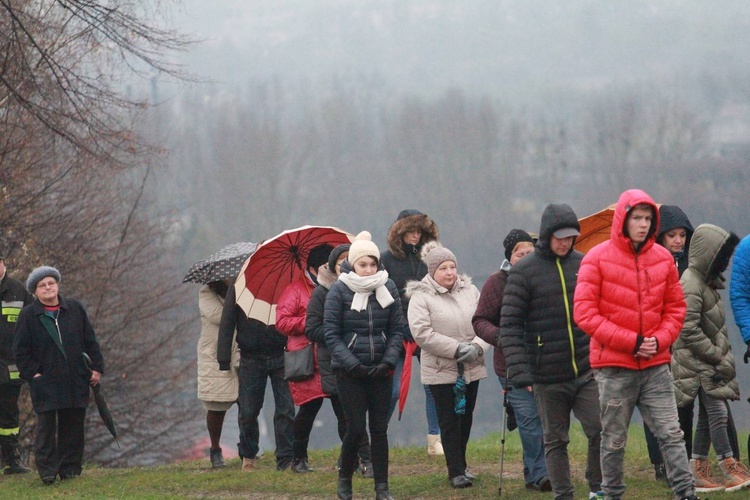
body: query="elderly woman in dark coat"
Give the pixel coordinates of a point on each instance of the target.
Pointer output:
(52, 335)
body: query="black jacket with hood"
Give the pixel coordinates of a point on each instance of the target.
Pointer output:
(402, 261)
(541, 342)
(14, 297)
(672, 217)
(255, 339)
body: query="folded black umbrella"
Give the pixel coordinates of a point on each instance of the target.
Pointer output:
(101, 403)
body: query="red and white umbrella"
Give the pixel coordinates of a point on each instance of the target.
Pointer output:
(276, 263)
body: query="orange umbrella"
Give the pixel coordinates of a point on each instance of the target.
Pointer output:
(596, 228)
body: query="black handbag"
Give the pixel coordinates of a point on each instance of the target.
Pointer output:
(299, 365)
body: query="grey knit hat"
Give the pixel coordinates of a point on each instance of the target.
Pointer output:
(434, 254)
(39, 274)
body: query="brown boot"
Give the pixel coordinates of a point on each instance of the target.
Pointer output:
(735, 473)
(248, 464)
(704, 483)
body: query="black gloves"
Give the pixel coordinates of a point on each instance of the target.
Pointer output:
(358, 371)
(380, 370)
(746, 357)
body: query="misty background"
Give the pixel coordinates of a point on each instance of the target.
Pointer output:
(478, 113)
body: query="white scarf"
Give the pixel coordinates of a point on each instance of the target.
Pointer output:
(363, 286)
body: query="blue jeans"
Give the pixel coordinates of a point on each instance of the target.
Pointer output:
(652, 390)
(429, 402)
(530, 430)
(253, 377)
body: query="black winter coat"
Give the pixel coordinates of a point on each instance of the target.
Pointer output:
(541, 342)
(254, 338)
(315, 331)
(13, 298)
(64, 382)
(367, 337)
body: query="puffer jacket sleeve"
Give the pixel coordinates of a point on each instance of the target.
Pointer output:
(739, 288)
(586, 311)
(227, 326)
(427, 338)
(516, 300)
(673, 313)
(210, 305)
(693, 336)
(314, 319)
(396, 327)
(333, 324)
(486, 319)
(290, 312)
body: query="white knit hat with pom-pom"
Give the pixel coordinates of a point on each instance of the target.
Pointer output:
(363, 247)
(433, 254)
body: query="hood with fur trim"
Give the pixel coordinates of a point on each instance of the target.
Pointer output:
(409, 220)
(710, 251)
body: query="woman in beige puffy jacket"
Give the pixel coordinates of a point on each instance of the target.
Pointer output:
(440, 310)
(217, 390)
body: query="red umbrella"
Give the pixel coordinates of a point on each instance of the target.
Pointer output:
(275, 264)
(403, 393)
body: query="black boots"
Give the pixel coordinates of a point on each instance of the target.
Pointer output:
(381, 492)
(217, 458)
(301, 465)
(344, 490)
(12, 460)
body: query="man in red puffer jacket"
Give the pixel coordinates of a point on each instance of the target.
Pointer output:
(629, 300)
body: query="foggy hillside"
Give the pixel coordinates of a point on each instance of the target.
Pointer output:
(477, 113)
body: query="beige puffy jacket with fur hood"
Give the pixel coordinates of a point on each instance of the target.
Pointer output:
(439, 319)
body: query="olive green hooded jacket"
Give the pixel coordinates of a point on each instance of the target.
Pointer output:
(702, 355)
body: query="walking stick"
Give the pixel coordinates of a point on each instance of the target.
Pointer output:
(502, 438)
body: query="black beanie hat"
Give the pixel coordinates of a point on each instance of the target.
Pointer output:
(515, 236)
(335, 254)
(319, 255)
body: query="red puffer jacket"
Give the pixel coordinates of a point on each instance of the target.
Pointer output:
(622, 294)
(291, 312)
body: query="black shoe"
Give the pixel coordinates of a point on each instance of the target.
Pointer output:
(691, 497)
(301, 465)
(543, 484)
(217, 458)
(471, 477)
(283, 464)
(381, 492)
(461, 482)
(344, 490)
(68, 475)
(49, 480)
(660, 472)
(365, 466)
(12, 460)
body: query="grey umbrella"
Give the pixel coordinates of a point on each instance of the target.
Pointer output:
(224, 264)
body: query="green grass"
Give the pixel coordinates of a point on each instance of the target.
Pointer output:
(413, 475)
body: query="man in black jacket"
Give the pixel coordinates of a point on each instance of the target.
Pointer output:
(14, 297)
(261, 358)
(546, 352)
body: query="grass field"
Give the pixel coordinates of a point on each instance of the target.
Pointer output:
(413, 475)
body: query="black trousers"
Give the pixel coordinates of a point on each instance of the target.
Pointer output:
(9, 414)
(59, 442)
(454, 429)
(364, 444)
(360, 398)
